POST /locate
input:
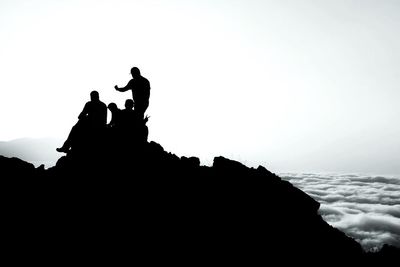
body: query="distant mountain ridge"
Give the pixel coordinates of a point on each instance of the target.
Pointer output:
(35, 150)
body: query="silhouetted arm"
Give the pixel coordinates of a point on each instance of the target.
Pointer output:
(84, 112)
(125, 88)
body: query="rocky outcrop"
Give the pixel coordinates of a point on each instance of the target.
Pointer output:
(142, 202)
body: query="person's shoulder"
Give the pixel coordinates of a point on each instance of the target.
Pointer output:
(103, 105)
(98, 104)
(131, 81)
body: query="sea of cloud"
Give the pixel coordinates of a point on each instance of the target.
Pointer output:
(366, 208)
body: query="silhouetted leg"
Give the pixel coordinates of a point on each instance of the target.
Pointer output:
(71, 138)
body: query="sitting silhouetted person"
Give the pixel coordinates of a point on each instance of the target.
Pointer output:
(92, 120)
(133, 126)
(140, 87)
(115, 116)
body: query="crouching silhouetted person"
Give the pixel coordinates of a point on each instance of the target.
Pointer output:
(92, 121)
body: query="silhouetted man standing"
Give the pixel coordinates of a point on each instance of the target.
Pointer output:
(140, 87)
(92, 118)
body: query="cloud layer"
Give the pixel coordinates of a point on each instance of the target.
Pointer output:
(366, 208)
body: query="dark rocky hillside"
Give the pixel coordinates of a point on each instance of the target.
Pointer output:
(112, 200)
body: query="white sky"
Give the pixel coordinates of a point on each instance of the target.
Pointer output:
(295, 85)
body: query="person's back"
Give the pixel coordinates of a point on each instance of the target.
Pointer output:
(115, 116)
(95, 112)
(141, 94)
(129, 118)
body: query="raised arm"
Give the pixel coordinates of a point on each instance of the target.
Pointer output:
(123, 89)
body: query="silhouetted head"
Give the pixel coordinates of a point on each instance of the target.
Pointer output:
(94, 96)
(135, 72)
(129, 104)
(112, 107)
